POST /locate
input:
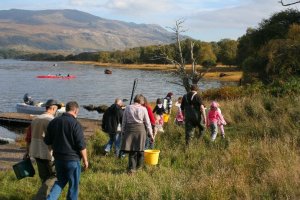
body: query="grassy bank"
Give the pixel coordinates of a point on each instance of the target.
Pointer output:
(231, 73)
(259, 159)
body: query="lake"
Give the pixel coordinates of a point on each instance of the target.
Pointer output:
(91, 85)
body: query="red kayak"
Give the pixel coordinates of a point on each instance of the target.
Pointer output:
(57, 77)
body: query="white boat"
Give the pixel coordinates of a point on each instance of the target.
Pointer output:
(35, 110)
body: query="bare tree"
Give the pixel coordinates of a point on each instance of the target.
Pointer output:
(288, 4)
(186, 78)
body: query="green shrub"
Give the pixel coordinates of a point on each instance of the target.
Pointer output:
(223, 93)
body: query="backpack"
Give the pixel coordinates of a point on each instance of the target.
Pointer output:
(192, 114)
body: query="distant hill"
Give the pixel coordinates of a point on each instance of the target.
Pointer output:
(73, 31)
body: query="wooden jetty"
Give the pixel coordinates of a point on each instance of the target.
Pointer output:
(24, 120)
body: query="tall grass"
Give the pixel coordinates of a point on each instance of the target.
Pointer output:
(259, 159)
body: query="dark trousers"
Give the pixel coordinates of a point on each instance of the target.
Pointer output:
(47, 175)
(46, 169)
(190, 129)
(136, 160)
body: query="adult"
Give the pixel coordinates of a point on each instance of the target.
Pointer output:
(41, 152)
(134, 125)
(111, 124)
(65, 135)
(28, 100)
(168, 102)
(194, 113)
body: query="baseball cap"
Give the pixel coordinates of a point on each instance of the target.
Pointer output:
(52, 102)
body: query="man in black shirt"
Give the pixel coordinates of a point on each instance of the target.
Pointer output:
(65, 135)
(194, 112)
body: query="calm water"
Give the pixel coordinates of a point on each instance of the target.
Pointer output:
(91, 86)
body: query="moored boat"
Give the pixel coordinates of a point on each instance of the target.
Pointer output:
(35, 109)
(56, 76)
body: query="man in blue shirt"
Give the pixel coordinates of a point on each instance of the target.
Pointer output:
(65, 135)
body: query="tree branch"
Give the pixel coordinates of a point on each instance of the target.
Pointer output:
(288, 4)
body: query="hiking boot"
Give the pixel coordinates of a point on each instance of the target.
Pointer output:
(131, 172)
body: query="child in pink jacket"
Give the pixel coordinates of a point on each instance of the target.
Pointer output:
(215, 119)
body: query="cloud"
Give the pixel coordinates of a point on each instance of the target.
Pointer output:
(139, 7)
(224, 22)
(86, 3)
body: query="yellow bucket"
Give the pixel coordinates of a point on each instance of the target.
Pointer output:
(166, 117)
(151, 156)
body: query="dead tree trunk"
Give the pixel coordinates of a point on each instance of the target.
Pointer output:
(181, 68)
(186, 78)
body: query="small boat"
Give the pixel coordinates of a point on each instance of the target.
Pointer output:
(57, 76)
(107, 71)
(35, 109)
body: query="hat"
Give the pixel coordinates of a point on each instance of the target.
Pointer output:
(214, 104)
(169, 94)
(52, 102)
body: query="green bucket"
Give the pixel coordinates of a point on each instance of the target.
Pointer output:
(24, 169)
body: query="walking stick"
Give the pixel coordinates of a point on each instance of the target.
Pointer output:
(133, 89)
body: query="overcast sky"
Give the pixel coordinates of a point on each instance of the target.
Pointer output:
(206, 20)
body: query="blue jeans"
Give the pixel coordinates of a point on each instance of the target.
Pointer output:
(67, 171)
(149, 144)
(113, 138)
(213, 130)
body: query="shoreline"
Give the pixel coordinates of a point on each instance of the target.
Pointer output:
(11, 153)
(231, 73)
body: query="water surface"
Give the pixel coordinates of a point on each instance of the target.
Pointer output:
(91, 86)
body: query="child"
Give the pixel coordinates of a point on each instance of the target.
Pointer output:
(221, 123)
(168, 102)
(214, 118)
(179, 120)
(150, 144)
(159, 110)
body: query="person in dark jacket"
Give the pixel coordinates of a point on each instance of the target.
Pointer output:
(194, 113)
(111, 124)
(65, 135)
(159, 111)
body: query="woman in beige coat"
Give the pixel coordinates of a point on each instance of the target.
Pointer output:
(134, 125)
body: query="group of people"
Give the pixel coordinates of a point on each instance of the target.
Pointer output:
(134, 129)
(113, 119)
(194, 113)
(136, 123)
(58, 146)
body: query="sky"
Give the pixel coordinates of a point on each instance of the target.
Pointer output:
(206, 20)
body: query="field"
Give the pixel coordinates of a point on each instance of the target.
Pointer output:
(258, 159)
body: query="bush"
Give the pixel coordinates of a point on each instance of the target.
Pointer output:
(285, 88)
(223, 93)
